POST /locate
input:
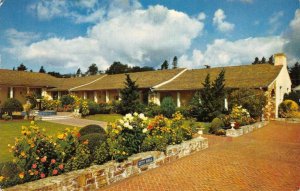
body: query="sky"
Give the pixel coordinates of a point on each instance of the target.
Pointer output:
(64, 35)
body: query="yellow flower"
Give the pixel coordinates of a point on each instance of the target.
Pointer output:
(32, 123)
(14, 160)
(21, 175)
(23, 153)
(60, 136)
(1, 178)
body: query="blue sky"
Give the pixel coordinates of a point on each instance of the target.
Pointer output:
(64, 35)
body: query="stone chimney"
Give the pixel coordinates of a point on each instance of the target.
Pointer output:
(280, 59)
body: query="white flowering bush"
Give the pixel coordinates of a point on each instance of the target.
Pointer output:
(127, 135)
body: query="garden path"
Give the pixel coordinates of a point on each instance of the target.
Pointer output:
(266, 159)
(66, 119)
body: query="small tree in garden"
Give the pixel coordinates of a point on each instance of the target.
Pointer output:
(129, 96)
(252, 100)
(168, 107)
(208, 103)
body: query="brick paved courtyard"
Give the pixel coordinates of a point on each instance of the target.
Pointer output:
(267, 159)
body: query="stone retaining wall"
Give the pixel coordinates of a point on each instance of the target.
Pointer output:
(245, 129)
(98, 176)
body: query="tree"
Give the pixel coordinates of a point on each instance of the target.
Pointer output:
(78, 73)
(294, 72)
(271, 60)
(92, 70)
(208, 103)
(117, 68)
(55, 74)
(263, 60)
(14, 68)
(42, 70)
(141, 69)
(165, 65)
(129, 96)
(22, 67)
(174, 63)
(256, 61)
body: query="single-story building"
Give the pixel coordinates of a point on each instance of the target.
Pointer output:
(181, 84)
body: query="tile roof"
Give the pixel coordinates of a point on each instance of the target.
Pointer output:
(66, 84)
(23, 78)
(245, 76)
(143, 79)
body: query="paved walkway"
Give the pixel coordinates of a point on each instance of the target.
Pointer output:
(69, 120)
(267, 159)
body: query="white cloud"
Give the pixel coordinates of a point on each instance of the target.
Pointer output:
(220, 23)
(201, 16)
(224, 53)
(46, 10)
(274, 21)
(139, 37)
(17, 38)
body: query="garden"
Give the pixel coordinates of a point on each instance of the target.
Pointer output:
(42, 150)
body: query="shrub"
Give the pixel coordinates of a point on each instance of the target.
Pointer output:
(115, 107)
(184, 110)
(168, 107)
(67, 100)
(9, 173)
(105, 108)
(252, 100)
(155, 143)
(93, 140)
(101, 154)
(216, 124)
(288, 108)
(220, 132)
(12, 104)
(152, 109)
(126, 135)
(89, 129)
(94, 108)
(31, 97)
(294, 95)
(6, 117)
(50, 104)
(82, 159)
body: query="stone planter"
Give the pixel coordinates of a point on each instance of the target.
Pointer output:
(245, 129)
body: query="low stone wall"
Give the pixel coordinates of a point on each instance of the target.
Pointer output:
(98, 176)
(245, 129)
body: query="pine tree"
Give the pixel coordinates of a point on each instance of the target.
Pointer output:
(263, 60)
(294, 72)
(208, 103)
(129, 96)
(256, 61)
(22, 67)
(78, 73)
(165, 65)
(174, 62)
(271, 60)
(42, 70)
(93, 69)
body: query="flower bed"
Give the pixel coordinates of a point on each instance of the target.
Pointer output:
(245, 129)
(98, 176)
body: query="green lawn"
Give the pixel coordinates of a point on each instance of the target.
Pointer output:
(12, 129)
(104, 117)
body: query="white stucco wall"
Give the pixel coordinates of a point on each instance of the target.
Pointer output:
(283, 85)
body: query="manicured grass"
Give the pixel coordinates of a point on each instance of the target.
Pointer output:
(105, 117)
(11, 129)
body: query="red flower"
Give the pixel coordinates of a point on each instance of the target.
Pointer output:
(34, 166)
(61, 166)
(54, 172)
(43, 175)
(78, 135)
(150, 127)
(53, 161)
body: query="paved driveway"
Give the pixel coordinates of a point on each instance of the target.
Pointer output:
(78, 122)
(267, 159)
